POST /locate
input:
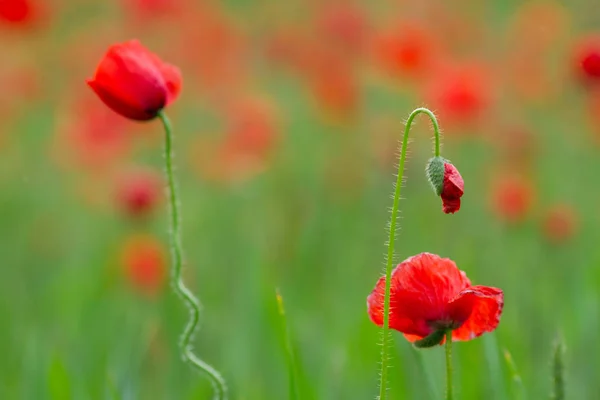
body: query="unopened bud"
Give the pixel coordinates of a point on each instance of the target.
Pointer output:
(435, 174)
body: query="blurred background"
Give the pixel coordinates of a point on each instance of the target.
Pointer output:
(286, 139)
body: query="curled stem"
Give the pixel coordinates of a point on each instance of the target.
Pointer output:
(392, 237)
(449, 395)
(191, 302)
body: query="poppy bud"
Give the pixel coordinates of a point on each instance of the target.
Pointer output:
(435, 174)
(446, 182)
(134, 82)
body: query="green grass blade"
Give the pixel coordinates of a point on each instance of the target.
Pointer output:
(59, 383)
(519, 391)
(491, 351)
(289, 350)
(558, 370)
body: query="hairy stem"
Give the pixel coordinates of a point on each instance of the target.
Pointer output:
(191, 302)
(392, 237)
(449, 364)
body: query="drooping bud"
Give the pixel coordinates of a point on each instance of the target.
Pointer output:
(446, 183)
(435, 174)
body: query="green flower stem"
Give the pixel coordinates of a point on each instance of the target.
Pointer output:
(390, 255)
(449, 364)
(191, 302)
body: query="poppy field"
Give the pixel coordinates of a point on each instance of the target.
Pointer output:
(299, 200)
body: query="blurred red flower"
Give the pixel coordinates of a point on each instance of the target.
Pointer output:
(19, 12)
(453, 189)
(252, 134)
(252, 127)
(214, 48)
(405, 50)
(91, 135)
(139, 191)
(460, 94)
(429, 293)
(343, 26)
(144, 262)
(511, 197)
(134, 82)
(560, 223)
(335, 89)
(587, 59)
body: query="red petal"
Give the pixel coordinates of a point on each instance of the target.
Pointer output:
(170, 73)
(480, 308)
(450, 206)
(172, 76)
(118, 105)
(454, 185)
(422, 286)
(453, 189)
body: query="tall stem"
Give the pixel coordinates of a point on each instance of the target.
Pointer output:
(392, 237)
(191, 302)
(449, 364)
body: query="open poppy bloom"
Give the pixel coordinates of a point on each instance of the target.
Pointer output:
(134, 82)
(430, 294)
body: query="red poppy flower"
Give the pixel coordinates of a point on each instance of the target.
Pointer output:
(134, 82)
(430, 294)
(453, 189)
(144, 261)
(138, 192)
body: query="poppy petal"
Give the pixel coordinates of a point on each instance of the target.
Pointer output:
(480, 308)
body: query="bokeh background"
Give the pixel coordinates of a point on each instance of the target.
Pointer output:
(286, 139)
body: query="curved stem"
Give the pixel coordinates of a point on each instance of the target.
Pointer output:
(192, 303)
(390, 255)
(449, 364)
